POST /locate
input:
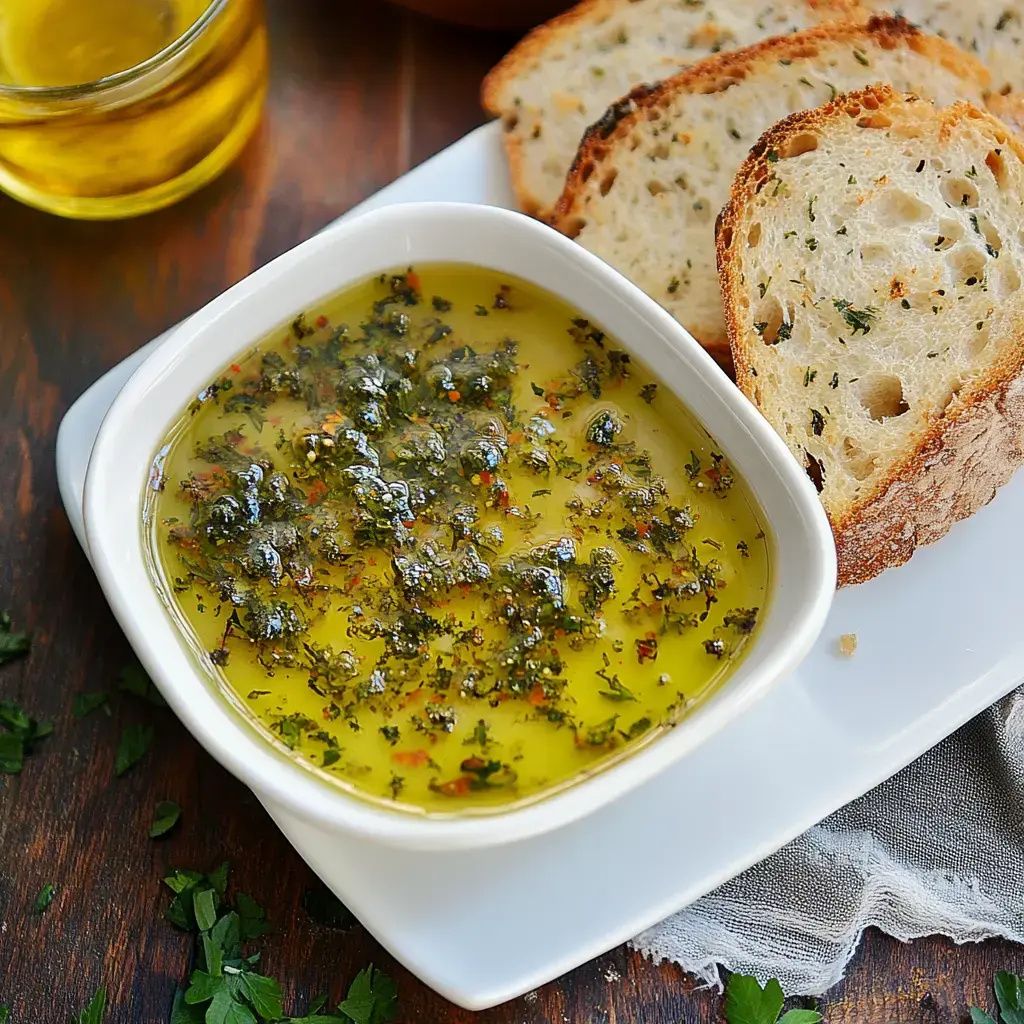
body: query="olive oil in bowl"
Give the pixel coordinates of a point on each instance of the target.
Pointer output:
(445, 540)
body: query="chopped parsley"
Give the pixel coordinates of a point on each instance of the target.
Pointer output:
(20, 736)
(165, 817)
(135, 743)
(746, 1002)
(85, 703)
(1009, 989)
(95, 1011)
(615, 689)
(133, 679)
(45, 898)
(856, 319)
(225, 985)
(12, 645)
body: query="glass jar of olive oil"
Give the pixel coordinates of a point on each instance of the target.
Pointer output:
(113, 108)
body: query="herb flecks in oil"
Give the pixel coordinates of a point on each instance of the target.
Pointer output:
(432, 534)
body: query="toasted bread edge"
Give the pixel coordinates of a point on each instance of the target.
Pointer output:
(943, 480)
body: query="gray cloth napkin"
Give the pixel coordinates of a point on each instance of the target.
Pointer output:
(938, 849)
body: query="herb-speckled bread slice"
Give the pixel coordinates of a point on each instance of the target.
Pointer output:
(650, 179)
(564, 75)
(872, 259)
(992, 30)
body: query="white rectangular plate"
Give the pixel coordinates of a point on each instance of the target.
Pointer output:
(939, 639)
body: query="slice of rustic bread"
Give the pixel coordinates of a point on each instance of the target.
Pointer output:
(650, 178)
(564, 75)
(872, 259)
(992, 30)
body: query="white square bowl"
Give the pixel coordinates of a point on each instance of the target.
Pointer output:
(803, 567)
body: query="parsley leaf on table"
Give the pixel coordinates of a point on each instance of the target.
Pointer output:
(93, 1013)
(135, 741)
(1010, 996)
(747, 1003)
(133, 679)
(225, 987)
(252, 919)
(12, 645)
(86, 703)
(45, 897)
(371, 998)
(224, 978)
(165, 817)
(22, 733)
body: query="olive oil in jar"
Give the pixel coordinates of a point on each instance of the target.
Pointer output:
(115, 107)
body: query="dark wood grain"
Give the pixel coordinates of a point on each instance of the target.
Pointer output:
(360, 92)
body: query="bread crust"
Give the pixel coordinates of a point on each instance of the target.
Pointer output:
(532, 47)
(715, 74)
(719, 72)
(967, 451)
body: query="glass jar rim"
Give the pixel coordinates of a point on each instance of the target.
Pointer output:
(127, 75)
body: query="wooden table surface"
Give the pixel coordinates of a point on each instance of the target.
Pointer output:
(360, 92)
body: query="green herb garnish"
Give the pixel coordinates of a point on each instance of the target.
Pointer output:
(21, 735)
(86, 703)
(94, 1012)
(135, 742)
(45, 897)
(747, 1003)
(12, 645)
(856, 319)
(1009, 990)
(615, 691)
(165, 817)
(133, 679)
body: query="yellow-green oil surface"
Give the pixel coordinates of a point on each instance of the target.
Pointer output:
(448, 543)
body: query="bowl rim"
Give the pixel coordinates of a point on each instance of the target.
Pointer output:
(113, 497)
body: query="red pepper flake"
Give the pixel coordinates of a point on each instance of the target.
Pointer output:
(321, 321)
(316, 493)
(413, 280)
(647, 648)
(353, 583)
(536, 696)
(486, 478)
(454, 396)
(235, 368)
(643, 529)
(411, 696)
(515, 437)
(411, 758)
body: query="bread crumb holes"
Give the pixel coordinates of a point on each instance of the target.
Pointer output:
(882, 396)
